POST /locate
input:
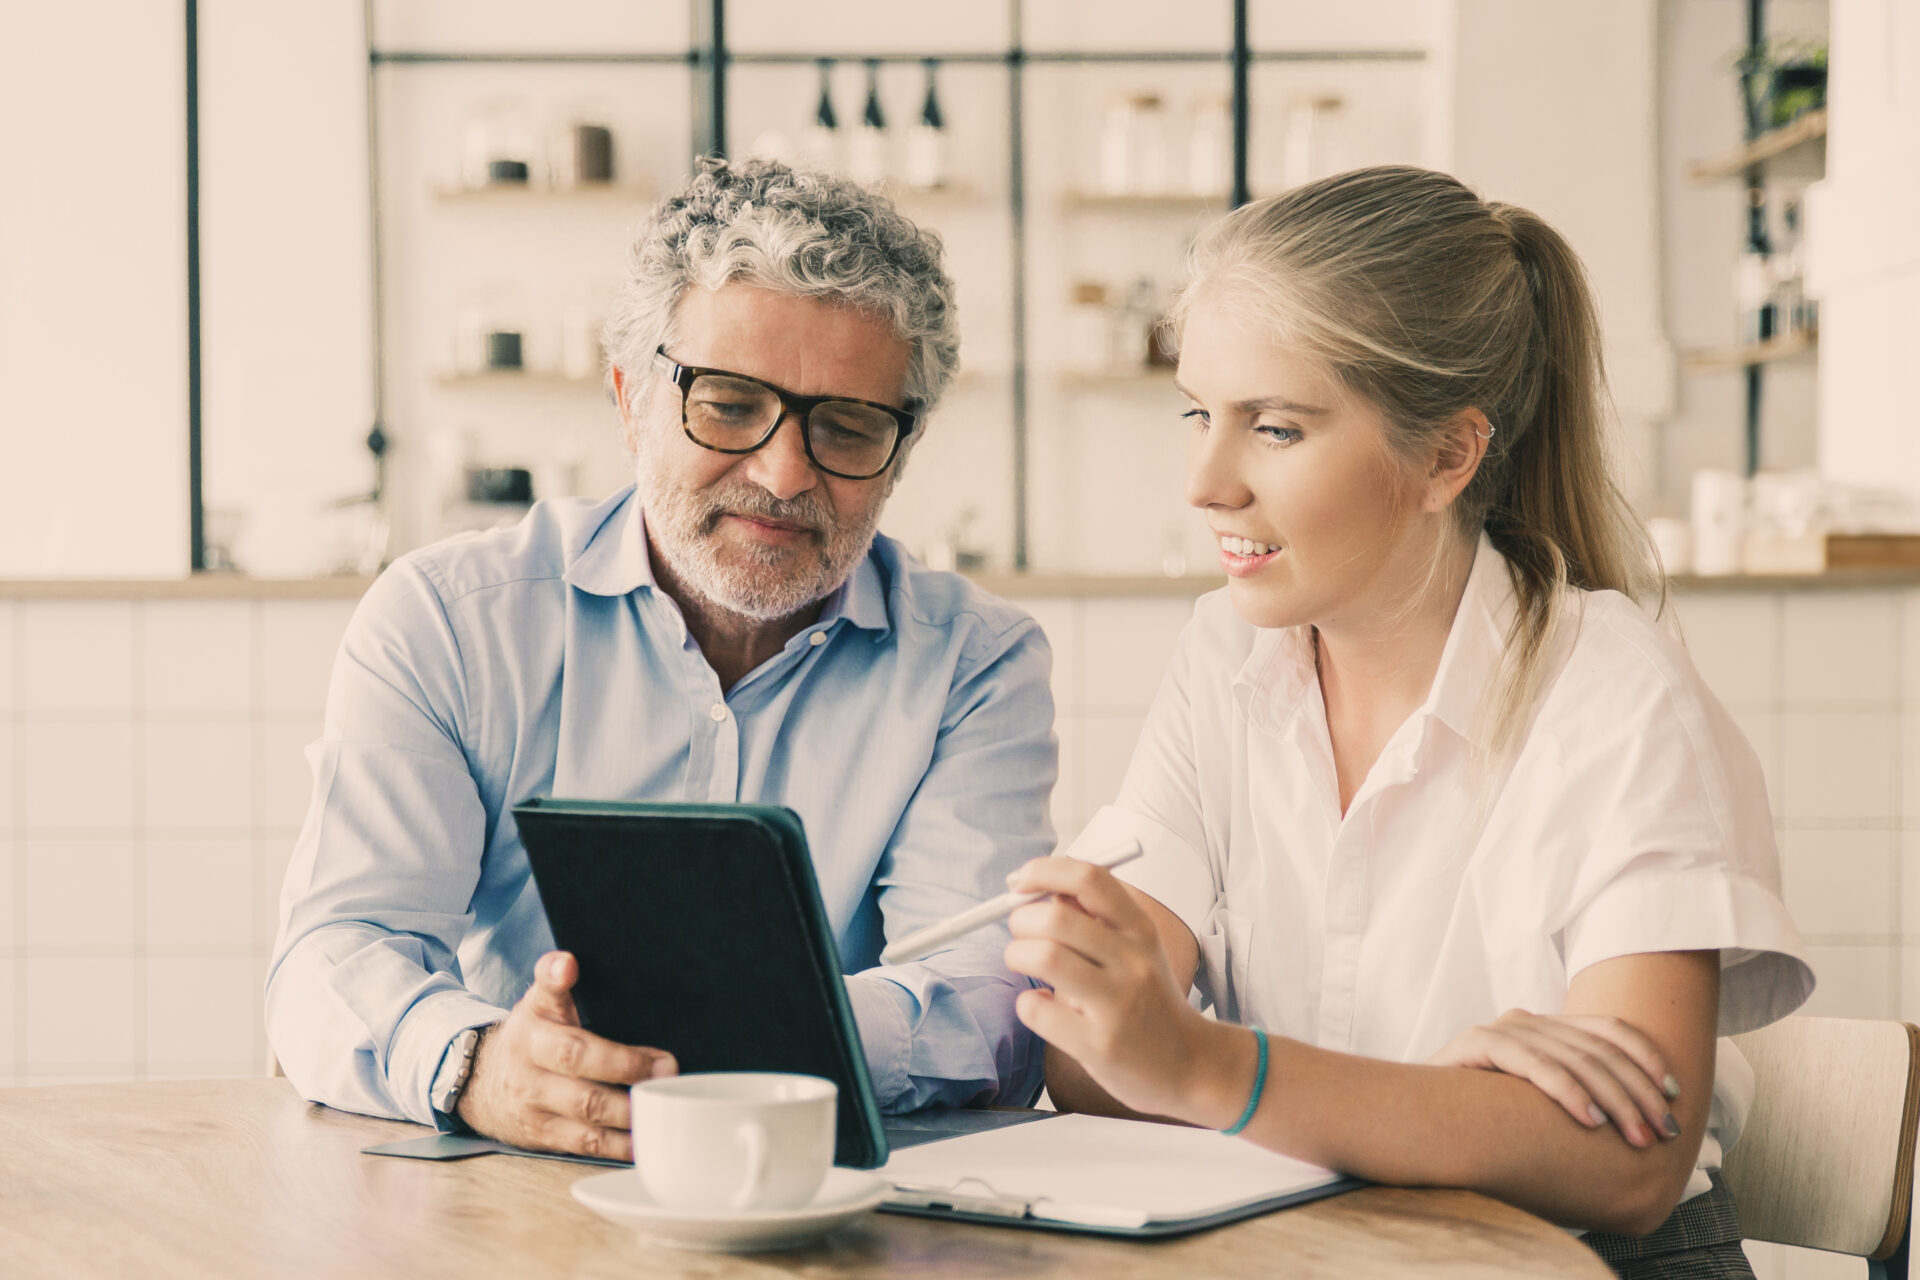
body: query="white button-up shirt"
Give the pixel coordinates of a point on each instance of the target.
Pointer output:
(1631, 817)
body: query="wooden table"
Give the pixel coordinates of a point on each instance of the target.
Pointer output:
(215, 1178)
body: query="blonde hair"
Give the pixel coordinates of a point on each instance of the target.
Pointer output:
(1426, 301)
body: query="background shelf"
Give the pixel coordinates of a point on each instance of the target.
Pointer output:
(1792, 347)
(1171, 202)
(530, 379)
(522, 192)
(1786, 151)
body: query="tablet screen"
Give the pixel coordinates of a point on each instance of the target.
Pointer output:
(699, 930)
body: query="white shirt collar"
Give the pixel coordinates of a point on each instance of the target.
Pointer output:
(1272, 684)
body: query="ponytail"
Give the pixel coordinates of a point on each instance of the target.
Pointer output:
(1556, 511)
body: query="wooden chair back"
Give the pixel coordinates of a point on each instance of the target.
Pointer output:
(1826, 1158)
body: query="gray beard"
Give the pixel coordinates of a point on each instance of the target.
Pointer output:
(763, 583)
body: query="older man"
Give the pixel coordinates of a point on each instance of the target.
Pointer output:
(728, 629)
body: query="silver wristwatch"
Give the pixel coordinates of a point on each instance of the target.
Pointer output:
(456, 1068)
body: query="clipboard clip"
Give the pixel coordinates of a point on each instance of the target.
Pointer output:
(958, 1199)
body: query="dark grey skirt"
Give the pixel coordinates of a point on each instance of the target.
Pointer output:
(1701, 1241)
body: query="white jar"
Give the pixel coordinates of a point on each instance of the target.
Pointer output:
(1719, 521)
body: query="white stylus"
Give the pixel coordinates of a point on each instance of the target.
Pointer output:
(923, 942)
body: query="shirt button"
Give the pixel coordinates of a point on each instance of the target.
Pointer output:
(818, 637)
(719, 712)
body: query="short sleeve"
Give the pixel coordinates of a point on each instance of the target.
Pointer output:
(1681, 855)
(1161, 805)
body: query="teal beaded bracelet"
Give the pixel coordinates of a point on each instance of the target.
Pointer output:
(1259, 1085)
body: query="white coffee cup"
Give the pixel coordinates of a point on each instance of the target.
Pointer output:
(733, 1140)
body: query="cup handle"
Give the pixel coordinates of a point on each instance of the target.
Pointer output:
(754, 1138)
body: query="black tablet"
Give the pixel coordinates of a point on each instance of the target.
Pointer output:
(699, 929)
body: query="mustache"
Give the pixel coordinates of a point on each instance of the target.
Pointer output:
(751, 500)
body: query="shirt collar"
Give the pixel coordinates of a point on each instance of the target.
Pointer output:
(1476, 646)
(610, 556)
(1272, 683)
(610, 559)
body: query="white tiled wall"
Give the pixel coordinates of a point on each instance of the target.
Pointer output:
(151, 784)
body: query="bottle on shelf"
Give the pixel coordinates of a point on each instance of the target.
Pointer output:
(499, 147)
(1090, 330)
(927, 139)
(1150, 176)
(1140, 347)
(1311, 147)
(1210, 148)
(1755, 316)
(581, 154)
(580, 358)
(867, 149)
(1133, 147)
(1793, 310)
(820, 146)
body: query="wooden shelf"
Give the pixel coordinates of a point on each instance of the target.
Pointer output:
(945, 194)
(1075, 380)
(1793, 347)
(530, 379)
(1788, 148)
(531, 193)
(1171, 202)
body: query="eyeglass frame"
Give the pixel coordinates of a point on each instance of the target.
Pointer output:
(800, 407)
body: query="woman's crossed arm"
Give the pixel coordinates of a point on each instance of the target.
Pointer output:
(1123, 1040)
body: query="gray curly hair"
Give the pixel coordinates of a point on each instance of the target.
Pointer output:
(792, 230)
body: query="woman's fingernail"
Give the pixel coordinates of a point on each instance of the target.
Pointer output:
(1671, 1125)
(1595, 1115)
(1013, 878)
(1670, 1086)
(553, 968)
(663, 1067)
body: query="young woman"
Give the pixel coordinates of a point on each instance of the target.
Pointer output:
(1425, 788)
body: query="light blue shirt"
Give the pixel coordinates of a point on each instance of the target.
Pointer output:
(911, 728)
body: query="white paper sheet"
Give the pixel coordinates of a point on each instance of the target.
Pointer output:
(1097, 1171)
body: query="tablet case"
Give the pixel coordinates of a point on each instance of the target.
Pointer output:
(699, 929)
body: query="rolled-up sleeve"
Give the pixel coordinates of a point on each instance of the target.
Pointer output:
(943, 1030)
(364, 990)
(1680, 855)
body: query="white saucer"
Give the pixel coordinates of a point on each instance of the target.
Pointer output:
(621, 1197)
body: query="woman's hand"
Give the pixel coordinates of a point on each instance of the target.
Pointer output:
(1114, 1007)
(1599, 1069)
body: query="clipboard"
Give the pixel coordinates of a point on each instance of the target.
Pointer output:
(699, 929)
(1101, 1176)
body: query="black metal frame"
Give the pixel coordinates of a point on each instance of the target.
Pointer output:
(1756, 210)
(196, 507)
(709, 58)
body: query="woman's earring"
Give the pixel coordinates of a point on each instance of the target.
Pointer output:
(1490, 430)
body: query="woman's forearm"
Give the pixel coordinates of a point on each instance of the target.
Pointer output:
(1409, 1124)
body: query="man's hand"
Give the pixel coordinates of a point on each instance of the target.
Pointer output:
(540, 1081)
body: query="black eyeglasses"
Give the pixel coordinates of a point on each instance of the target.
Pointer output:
(733, 413)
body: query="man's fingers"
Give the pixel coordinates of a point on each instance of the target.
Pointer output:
(551, 995)
(570, 1051)
(554, 1132)
(603, 1106)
